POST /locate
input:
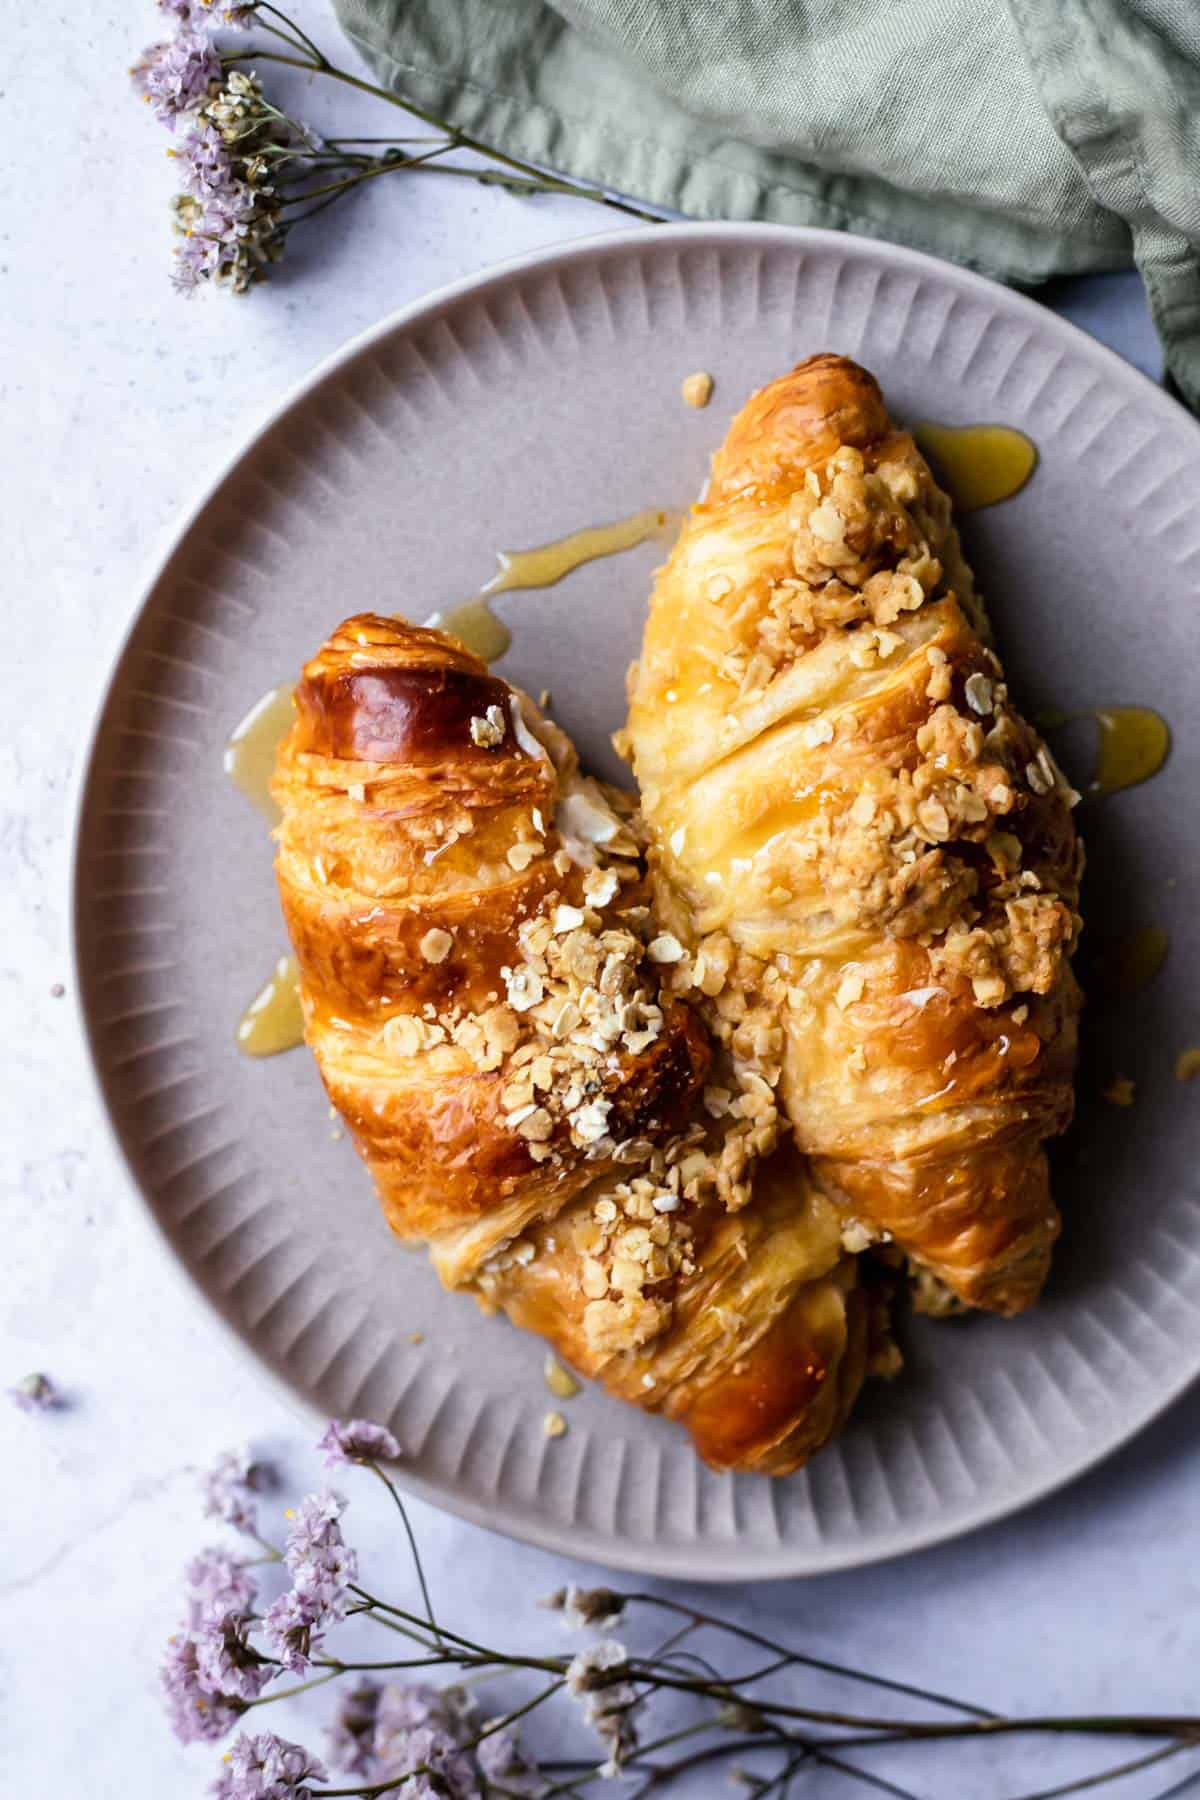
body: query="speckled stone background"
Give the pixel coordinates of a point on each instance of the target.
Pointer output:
(120, 399)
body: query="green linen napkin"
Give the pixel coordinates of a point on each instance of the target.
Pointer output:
(1023, 139)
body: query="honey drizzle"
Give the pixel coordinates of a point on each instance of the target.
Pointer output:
(273, 1021)
(475, 625)
(543, 566)
(560, 1381)
(249, 759)
(1134, 742)
(978, 465)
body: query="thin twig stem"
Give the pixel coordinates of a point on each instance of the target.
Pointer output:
(412, 1545)
(812, 1662)
(548, 184)
(306, 41)
(300, 1688)
(1115, 1772)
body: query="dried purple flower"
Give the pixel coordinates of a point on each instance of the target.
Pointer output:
(189, 15)
(605, 1700)
(322, 1567)
(407, 1706)
(228, 1485)
(226, 1662)
(585, 1606)
(218, 1583)
(230, 226)
(356, 1440)
(589, 1669)
(351, 1737)
(175, 77)
(429, 1751)
(266, 1767)
(36, 1394)
(506, 1765)
(321, 1564)
(209, 15)
(195, 1713)
(290, 1627)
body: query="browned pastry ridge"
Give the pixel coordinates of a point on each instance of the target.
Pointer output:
(486, 994)
(833, 775)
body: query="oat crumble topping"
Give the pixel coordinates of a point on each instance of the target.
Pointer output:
(871, 543)
(488, 731)
(436, 945)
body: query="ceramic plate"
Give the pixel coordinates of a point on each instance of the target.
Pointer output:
(512, 409)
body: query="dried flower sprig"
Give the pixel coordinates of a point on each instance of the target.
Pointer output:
(250, 173)
(36, 1393)
(401, 1736)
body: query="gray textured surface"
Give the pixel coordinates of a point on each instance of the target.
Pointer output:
(121, 401)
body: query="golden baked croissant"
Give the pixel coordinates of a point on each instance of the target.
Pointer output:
(483, 989)
(832, 774)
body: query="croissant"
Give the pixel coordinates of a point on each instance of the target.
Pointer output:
(485, 991)
(833, 776)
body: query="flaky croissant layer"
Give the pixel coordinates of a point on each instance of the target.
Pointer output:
(833, 774)
(546, 1087)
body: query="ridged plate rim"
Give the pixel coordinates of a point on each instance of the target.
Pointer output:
(700, 1559)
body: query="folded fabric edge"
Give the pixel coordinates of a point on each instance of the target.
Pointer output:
(700, 184)
(1078, 56)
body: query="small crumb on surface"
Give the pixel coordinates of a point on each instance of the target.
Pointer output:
(57, 991)
(1119, 1092)
(554, 1425)
(436, 944)
(697, 388)
(1187, 1065)
(416, 1337)
(36, 1393)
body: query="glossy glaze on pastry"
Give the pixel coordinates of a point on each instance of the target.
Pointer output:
(581, 1141)
(834, 777)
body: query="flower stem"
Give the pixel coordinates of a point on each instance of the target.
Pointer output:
(412, 1545)
(809, 1662)
(548, 184)
(1115, 1772)
(302, 1687)
(265, 6)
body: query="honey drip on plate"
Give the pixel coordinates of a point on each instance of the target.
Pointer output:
(978, 465)
(1134, 742)
(560, 1381)
(476, 625)
(250, 752)
(273, 1020)
(1137, 958)
(543, 566)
